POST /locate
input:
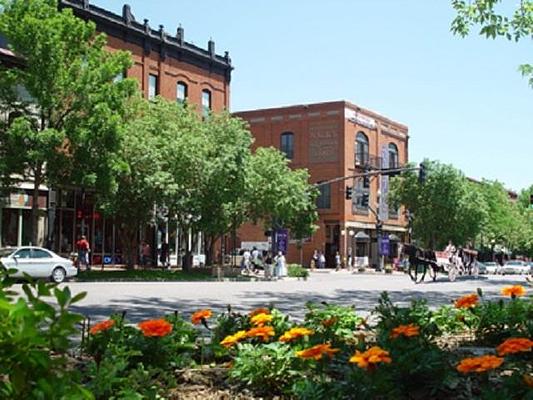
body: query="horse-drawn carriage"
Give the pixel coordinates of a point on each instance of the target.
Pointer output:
(452, 263)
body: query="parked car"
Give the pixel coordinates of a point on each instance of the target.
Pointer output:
(37, 262)
(516, 267)
(492, 267)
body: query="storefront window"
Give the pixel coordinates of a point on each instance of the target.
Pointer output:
(67, 234)
(10, 219)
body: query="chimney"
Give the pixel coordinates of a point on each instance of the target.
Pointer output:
(180, 35)
(211, 48)
(85, 4)
(127, 16)
(162, 33)
(146, 26)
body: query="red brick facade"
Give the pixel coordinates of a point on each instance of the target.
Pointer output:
(324, 137)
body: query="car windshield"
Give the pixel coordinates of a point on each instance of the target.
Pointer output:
(6, 252)
(490, 264)
(514, 263)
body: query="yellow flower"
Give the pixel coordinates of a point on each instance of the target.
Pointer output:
(261, 319)
(467, 301)
(514, 345)
(479, 364)
(405, 330)
(370, 357)
(295, 333)
(316, 352)
(260, 310)
(263, 332)
(231, 340)
(514, 291)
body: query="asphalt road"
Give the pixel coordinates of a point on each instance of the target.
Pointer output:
(152, 299)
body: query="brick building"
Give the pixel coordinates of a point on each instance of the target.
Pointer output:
(163, 64)
(331, 140)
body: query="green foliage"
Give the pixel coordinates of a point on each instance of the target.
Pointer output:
(268, 369)
(453, 320)
(333, 323)
(297, 271)
(34, 339)
(67, 106)
(447, 207)
(485, 14)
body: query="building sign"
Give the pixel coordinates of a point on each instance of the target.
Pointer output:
(281, 240)
(323, 142)
(384, 185)
(360, 119)
(24, 200)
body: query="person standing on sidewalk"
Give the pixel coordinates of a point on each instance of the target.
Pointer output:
(82, 245)
(268, 266)
(321, 260)
(337, 261)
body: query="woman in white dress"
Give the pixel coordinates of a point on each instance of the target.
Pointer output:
(281, 265)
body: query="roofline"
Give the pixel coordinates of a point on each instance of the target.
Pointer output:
(126, 28)
(344, 103)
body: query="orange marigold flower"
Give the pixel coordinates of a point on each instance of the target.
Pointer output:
(370, 357)
(405, 330)
(198, 316)
(230, 340)
(263, 332)
(316, 352)
(261, 319)
(470, 300)
(479, 364)
(102, 326)
(528, 380)
(514, 345)
(295, 333)
(514, 291)
(329, 322)
(260, 310)
(155, 327)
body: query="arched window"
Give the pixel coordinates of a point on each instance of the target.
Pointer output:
(394, 161)
(361, 149)
(287, 144)
(181, 91)
(206, 102)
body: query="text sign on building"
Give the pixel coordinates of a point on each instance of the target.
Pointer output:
(384, 185)
(323, 141)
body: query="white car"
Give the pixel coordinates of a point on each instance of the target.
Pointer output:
(492, 267)
(516, 267)
(37, 262)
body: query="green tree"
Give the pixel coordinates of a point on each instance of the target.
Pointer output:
(484, 13)
(446, 207)
(67, 125)
(280, 196)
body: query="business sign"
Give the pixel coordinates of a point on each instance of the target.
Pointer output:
(384, 185)
(281, 240)
(323, 142)
(384, 245)
(359, 118)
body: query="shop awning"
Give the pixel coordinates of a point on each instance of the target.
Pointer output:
(394, 238)
(361, 237)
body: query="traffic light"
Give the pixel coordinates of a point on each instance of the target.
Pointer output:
(366, 181)
(422, 173)
(365, 197)
(379, 228)
(349, 192)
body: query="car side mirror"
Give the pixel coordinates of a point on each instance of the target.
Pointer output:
(16, 257)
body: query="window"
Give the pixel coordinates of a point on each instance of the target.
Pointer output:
(38, 253)
(181, 92)
(362, 188)
(23, 253)
(206, 102)
(119, 77)
(324, 199)
(152, 86)
(361, 149)
(287, 144)
(393, 156)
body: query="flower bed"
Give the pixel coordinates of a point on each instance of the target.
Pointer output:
(333, 353)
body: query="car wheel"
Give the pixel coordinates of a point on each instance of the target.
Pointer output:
(58, 275)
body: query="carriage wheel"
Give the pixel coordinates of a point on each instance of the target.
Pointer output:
(452, 272)
(417, 272)
(432, 272)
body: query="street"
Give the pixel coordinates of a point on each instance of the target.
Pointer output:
(144, 300)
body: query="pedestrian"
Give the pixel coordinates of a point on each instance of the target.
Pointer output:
(314, 260)
(255, 260)
(246, 259)
(146, 252)
(281, 266)
(321, 260)
(337, 261)
(350, 259)
(83, 248)
(163, 257)
(268, 266)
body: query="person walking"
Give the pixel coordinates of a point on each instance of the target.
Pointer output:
(314, 260)
(246, 258)
(281, 266)
(268, 266)
(83, 248)
(321, 260)
(337, 261)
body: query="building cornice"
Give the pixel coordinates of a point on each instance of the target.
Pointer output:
(126, 28)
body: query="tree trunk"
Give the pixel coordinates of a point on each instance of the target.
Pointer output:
(35, 206)
(209, 243)
(128, 240)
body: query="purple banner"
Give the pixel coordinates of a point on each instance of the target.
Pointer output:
(281, 240)
(384, 245)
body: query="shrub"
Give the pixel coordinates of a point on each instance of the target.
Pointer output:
(297, 271)
(337, 324)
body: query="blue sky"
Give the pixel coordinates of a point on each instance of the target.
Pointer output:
(463, 99)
